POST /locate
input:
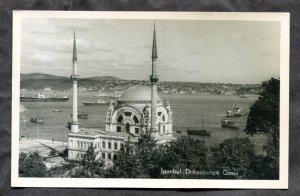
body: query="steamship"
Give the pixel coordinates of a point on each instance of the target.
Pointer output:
(42, 98)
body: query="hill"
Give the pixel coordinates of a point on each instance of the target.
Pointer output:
(40, 81)
(41, 76)
(103, 78)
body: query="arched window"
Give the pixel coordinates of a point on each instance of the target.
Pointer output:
(118, 129)
(120, 119)
(116, 146)
(109, 145)
(127, 128)
(163, 118)
(103, 144)
(135, 119)
(127, 113)
(103, 155)
(109, 156)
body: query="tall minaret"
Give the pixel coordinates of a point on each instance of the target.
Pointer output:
(154, 80)
(74, 78)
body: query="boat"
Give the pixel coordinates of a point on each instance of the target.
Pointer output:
(101, 95)
(230, 124)
(82, 115)
(69, 124)
(56, 110)
(236, 111)
(42, 98)
(244, 96)
(198, 131)
(37, 120)
(95, 103)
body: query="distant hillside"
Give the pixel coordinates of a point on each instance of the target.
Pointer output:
(40, 76)
(41, 81)
(103, 78)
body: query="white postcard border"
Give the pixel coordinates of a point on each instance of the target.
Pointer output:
(282, 183)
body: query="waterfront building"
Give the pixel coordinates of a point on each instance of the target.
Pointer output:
(137, 111)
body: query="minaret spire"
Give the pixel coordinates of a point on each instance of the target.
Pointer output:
(154, 80)
(74, 78)
(154, 47)
(74, 48)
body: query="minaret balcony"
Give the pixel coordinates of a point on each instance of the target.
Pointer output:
(74, 77)
(153, 78)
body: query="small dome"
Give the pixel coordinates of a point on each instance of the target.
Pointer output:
(138, 93)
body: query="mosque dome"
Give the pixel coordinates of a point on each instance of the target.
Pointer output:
(138, 93)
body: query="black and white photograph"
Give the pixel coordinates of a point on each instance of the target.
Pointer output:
(150, 100)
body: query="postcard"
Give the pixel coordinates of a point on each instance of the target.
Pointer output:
(150, 99)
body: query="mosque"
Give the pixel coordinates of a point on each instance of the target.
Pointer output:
(137, 111)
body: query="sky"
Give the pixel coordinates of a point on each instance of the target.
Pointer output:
(245, 52)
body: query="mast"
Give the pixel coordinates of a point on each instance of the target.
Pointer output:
(74, 78)
(154, 80)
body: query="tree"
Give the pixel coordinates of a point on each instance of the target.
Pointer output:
(31, 165)
(264, 118)
(183, 153)
(90, 166)
(138, 160)
(89, 163)
(264, 114)
(234, 155)
(125, 165)
(264, 167)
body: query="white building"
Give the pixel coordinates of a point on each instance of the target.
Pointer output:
(139, 109)
(132, 112)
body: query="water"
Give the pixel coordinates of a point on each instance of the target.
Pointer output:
(188, 110)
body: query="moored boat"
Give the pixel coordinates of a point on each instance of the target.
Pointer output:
(82, 115)
(197, 131)
(37, 120)
(42, 98)
(230, 124)
(95, 103)
(236, 111)
(69, 124)
(244, 96)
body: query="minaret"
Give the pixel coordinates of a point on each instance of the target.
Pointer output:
(154, 80)
(74, 78)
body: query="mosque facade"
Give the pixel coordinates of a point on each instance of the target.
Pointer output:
(137, 111)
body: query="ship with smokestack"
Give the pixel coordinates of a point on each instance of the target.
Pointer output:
(42, 98)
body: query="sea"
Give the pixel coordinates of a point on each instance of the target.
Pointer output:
(189, 110)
